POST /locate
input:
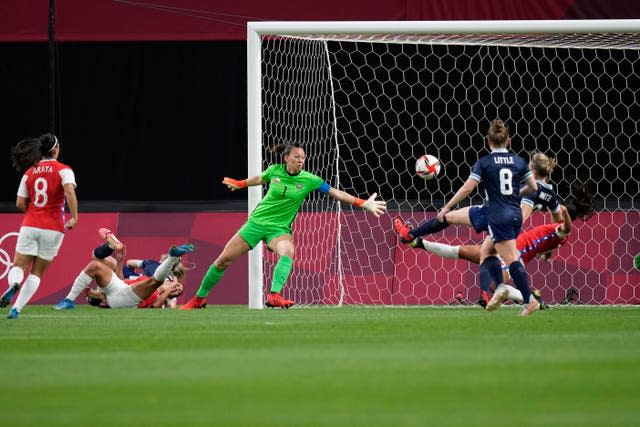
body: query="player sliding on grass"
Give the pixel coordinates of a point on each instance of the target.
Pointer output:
(163, 296)
(272, 219)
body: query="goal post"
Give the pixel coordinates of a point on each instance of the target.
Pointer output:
(367, 98)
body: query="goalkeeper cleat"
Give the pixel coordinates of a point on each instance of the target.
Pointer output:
(276, 300)
(538, 296)
(531, 307)
(65, 304)
(499, 296)
(483, 300)
(402, 229)
(13, 314)
(194, 303)
(110, 238)
(5, 299)
(178, 251)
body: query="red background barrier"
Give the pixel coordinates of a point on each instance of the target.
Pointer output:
(101, 20)
(597, 261)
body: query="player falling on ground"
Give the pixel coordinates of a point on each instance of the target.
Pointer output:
(44, 187)
(272, 219)
(540, 240)
(171, 288)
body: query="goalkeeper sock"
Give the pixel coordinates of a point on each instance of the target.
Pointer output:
(445, 251)
(213, 276)
(102, 251)
(281, 273)
(429, 227)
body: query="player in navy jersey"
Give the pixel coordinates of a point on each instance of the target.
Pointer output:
(45, 187)
(538, 241)
(506, 179)
(476, 216)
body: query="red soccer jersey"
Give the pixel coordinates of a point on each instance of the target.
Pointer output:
(43, 186)
(538, 240)
(147, 303)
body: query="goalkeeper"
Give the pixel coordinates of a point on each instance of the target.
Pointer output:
(272, 219)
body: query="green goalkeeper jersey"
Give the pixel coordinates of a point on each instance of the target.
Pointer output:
(284, 197)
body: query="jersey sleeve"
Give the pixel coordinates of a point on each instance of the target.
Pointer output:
(266, 174)
(67, 176)
(324, 187)
(23, 191)
(476, 172)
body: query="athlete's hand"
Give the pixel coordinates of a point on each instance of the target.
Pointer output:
(442, 213)
(71, 223)
(376, 207)
(234, 184)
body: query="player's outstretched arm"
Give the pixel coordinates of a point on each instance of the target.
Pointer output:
(237, 184)
(371, 205)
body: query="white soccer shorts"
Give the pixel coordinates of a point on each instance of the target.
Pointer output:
(39, 242)
(119, 294)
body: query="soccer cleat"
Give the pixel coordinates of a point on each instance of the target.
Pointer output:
(65, 304)
(276, 300)
(178, 251)
(13, 314)
(402, 229)
(110, 238)
(416, 243)
(499, 296)
(194, 303)
(531, 307)
(5, 299)
(537, 295)
(483, 300)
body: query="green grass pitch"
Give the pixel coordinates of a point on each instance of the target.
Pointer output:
(350, 366)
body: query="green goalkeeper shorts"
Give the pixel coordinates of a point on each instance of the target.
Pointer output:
(253, 233)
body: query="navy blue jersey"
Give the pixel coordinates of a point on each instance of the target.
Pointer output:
(149, 267)
(543, 199)
(503, 173)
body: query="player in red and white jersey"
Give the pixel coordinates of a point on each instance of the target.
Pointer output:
(45, 185)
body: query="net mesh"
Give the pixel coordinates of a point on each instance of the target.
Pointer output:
(365, 107)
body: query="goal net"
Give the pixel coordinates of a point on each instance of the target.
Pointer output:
(367, 99)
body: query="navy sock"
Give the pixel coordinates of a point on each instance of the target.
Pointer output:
(520, 279)
(429, 227)
(102, 251)
(490, 271)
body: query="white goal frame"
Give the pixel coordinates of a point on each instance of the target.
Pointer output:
(255, 31)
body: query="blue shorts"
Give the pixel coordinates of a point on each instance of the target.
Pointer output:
(478, 218)
(501, 232)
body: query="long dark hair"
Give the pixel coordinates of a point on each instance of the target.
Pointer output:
(580, 203)
(29, 151)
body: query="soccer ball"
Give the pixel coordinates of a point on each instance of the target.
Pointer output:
(428, 167)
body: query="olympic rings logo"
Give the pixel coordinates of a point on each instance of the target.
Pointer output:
(5, 258)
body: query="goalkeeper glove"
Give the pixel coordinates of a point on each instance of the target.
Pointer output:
(234, 184)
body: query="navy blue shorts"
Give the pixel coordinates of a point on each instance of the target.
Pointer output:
(478, 218)
(501, 232)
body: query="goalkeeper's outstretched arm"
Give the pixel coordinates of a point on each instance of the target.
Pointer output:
(237, 184)
(375, 207)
